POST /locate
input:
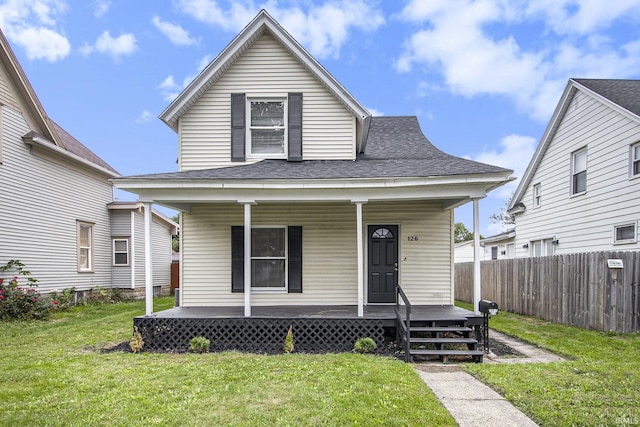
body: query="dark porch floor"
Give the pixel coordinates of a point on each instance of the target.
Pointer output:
(386, 313)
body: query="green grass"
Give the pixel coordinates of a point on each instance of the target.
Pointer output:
(598, 385)
(54, 374)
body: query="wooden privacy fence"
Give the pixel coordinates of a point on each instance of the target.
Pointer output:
(576, 289)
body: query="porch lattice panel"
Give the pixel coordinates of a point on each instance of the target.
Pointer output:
(257, 335)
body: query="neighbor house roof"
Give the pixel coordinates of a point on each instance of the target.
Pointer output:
(49, 134)
(262, 23)
(137, 206)
(620, 95)
(396, 148)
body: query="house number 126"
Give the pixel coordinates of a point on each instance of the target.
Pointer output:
(412, 238)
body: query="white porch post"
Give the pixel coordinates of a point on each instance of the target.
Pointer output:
(247, 259)
(360, 260)
(477, 285)
(148, 265)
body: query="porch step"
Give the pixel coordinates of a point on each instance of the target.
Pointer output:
(443, 340)
(444, 354)
(441, 329)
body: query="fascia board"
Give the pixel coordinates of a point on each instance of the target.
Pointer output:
(47, 145)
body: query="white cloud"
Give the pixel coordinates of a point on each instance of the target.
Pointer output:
(322, 29)
(169, 88)
(175, 33)
(375, 112)
(31, 24)
(514, 153)
(124, 44)
(101, 7)
(455, 39)
(144, 117)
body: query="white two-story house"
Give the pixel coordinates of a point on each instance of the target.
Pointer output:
(291, 194)
(581, 190)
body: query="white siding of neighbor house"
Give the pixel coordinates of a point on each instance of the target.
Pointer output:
(266, 69)
(584, 222)
(463, 252)
(161, 252)
(329, 251)
(121, 227)
(40, 204)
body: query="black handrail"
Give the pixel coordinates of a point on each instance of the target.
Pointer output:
(403, 328)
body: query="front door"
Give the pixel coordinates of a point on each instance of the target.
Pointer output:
(383, 263)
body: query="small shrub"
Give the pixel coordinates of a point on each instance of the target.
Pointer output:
(288, 341)
(199, 345)
(18, 302)
(365, 345)
(63, 299)
(136, 342)
(104, 296)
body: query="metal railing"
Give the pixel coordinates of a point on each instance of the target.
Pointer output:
(403, 326)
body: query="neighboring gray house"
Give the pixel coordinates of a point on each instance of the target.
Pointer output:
(293, 195)
(581, 191)
(54, 193)
(127, 233)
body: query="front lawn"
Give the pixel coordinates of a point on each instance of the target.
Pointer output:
(597, 386)
(53, 373)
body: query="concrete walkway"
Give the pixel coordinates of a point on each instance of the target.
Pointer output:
(472, 403)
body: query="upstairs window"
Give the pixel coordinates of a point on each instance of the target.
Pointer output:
(266, 133)
(635, 160)
(579, 172)
(85, 246)
(625, 233)
(537, 195)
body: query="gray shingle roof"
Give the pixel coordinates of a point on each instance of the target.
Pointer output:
(625, 93)
(74, 146)
(396, 147)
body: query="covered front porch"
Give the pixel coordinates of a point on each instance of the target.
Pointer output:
(318, 328)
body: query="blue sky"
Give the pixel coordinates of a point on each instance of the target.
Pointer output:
(482, 76)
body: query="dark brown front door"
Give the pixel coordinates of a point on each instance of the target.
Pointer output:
(383, 263)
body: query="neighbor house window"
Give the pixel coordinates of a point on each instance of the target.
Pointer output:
(579, 172)
(537, 195)
(494, 252)
(268, 257)
(635, 159)
(542, 247)
(266, 133)
(624, 233)
(85, 246)
(120, 251)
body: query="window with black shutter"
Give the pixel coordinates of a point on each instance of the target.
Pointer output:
(276, 258)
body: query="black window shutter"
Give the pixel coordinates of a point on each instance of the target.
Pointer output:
(295, 259)
(295, 127)
(238, 123)
(237, 259)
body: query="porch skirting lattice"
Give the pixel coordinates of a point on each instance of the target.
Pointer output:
(257, 335)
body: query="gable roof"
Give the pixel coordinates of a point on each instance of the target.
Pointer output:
(263, 22)
(620, 95)
(52, 136)
(396, 148)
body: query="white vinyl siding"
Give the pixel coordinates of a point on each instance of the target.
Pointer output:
(329, 251)
(265, 70)
(40, 216)
(585, 223)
